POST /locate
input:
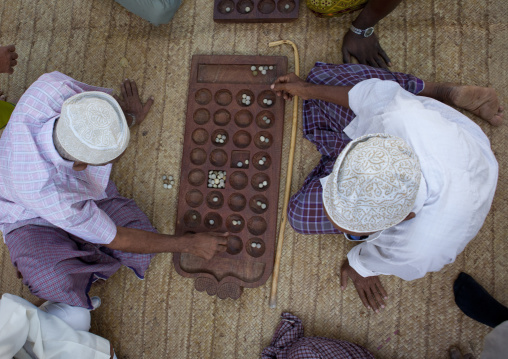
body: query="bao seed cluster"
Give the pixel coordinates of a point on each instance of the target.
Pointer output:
(216, 179)
(262, 161)
(168, 182)
(255, 245)
(261, 204)
(262, 69)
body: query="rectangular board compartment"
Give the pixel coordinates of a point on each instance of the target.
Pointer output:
(214, 110)
(260, 10)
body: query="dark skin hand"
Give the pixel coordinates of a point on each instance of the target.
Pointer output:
(8, 58)
(370, 289)
(130, 102)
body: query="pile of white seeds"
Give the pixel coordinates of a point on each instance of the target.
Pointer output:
(261, 204)
(168, 182)
(246, 99)
(264, 139)
(267, 102)
(220, 138)
(263, 184)
(266, 119)
(255, 245)
(262, 69)
(262, 161)
(216, 179)
(240, 163)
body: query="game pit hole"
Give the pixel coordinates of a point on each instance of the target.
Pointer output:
(221, 117)
(192, 218)
(265, 119)
(258, 204)
(260, 182)
(255, 247)
(256, 225)
(213, 221)
(286, 6)
(266, 6)
(262, 161)
(243, 118)
(263, 139)
(240, 159)
(237, 202)
(200, 136)
(224, 5)
(242, 139)
(196, 177)
(240, 97)
(245, 6)
(268, 96)
(235, 223)
(220, 138)
(194, 198)
(198, 156)
(238, 180)
(234, 245)
(201, 116)
(215, 200)
(223, 97)
(203, 96)
(218, 157)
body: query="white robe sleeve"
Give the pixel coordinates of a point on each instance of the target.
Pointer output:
(22, 323)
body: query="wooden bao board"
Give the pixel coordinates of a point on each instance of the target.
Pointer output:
(260, 10)
(214, 105)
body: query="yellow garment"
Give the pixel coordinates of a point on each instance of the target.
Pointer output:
(6, 109)
(331, 8)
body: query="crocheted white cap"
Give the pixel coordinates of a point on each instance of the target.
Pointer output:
(373, 185)
(92, 128)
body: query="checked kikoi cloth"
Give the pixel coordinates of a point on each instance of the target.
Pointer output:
(288, 342)
(323, 125)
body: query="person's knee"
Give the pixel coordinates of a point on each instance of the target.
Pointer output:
(295, 216)
(162, 11)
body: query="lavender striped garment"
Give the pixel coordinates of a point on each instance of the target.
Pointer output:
(288, 342)
(54, 219)
(323, 125)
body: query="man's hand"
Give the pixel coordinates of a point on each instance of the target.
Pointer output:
(135, 111)
(367, 50)
(370, 289)
(205, 245)
(290, 85)
(8, 58)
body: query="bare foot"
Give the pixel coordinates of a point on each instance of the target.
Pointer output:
(481, 101)
(135, 111)
(8, 58)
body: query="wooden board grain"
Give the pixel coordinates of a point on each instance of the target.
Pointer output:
(215, 106)
(256, 10)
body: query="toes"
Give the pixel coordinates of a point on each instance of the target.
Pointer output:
(497, 120)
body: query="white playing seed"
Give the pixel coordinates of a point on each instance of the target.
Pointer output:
(170, 178)
(239, 164)
(263, 72)
(265, 183)
(260, 68)
(247, 9)
(265, 68)
(287, 6)
(262, 138)
(221, 141)
(215, 186)
(210, 185)
(248, 98)
(260, 185)
(261, 162)
(267, 121)
(164, 177)
(244, 95)
(269, 102)
(223, 137)
(194, 217)
(215, 199)
(221, 182)
(210, 172)
(267, 140)
(263, 206)
(228, 9)
(265, 118)
(247, 103)
(238, 222)
(270, 67)
(265, 100)
(258, 245)
(170, 186)
(211, 222)
(217, 181)
(264, 159)
(246, 162)
(234, 223)
(253, 245)
(165, 185)
(172, 182)
(253, 68)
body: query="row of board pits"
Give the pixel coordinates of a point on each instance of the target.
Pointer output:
(224, 97)
(263, 6)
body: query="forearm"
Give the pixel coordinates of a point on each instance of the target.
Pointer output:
(374, 11)
(338, 95)
(139, 241)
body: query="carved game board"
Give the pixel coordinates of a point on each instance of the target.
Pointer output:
(256, 10)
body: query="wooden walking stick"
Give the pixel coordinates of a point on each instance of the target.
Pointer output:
(287, 192)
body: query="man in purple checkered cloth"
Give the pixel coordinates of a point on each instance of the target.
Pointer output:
(62, 218)
(403, 173)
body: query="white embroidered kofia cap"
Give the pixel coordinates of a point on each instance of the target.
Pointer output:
(92, 128)
(373, 185)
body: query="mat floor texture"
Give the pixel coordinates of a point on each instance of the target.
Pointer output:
(98, 42)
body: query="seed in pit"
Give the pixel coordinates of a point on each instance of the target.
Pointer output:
(287, 6)
(267, 140)
(215, 199)
(259, 203)
(270, 67)
(260, 185)
(253, 245)
(269, 102)
(234, 223)
(194, 217)
(255, 73)
(260, 68)
(264, 159)
(265, 183)
(247, 9)
(261, 162)
(258, 245)
(263, 72)
(262, 138)
(228, 9)
(267, 122)
(211, 222)
(253, 68)
(246, 162)
(263, 206)
(239, 164)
